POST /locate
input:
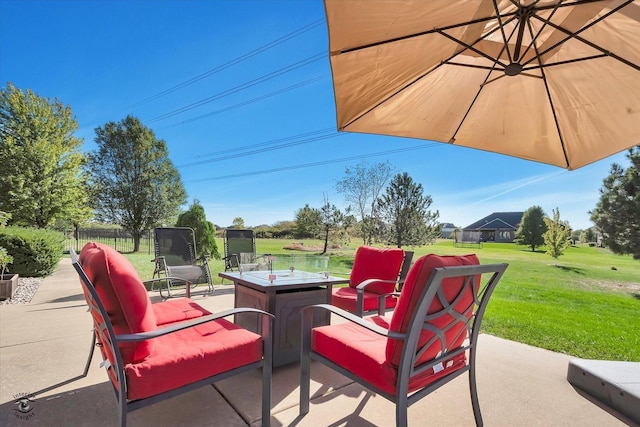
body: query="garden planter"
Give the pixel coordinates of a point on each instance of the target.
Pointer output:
(8, 285)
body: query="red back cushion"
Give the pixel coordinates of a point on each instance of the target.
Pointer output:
(417, 279)
(122, 294)
(376, 263)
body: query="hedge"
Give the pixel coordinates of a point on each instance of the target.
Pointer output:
(36, 252)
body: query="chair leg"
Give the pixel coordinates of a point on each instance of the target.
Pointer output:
(91, 350)
(122, 404)
(401, 411)
(474, 393)
(305, 361)
(267, 368)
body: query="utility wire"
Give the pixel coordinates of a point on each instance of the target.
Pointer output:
(322, 163)
(260, 144)
(229, 64)
(262, 150)
(251, 101)
(243, 86)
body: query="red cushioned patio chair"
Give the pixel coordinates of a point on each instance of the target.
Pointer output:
(377, 273)
(430, 339)
(150, 355)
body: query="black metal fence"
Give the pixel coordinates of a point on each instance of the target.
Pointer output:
(118, 239)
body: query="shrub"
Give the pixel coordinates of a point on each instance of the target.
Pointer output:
(35, 252)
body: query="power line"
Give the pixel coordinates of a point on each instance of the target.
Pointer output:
(229, 64)
(255, 148)
(243, 86)
(322, 163)
(262, 150)
(251, 101)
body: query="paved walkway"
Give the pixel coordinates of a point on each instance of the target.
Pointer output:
(47, 341)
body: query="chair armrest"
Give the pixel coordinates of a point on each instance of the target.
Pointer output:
(367, 282)
(159, 279)
(160, 265)
(354, 319)
(227, 259)
(381, 301)
(174, 327)
(168, 278)
(360, 293)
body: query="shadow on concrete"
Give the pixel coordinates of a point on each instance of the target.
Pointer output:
(62, 408)
(70, 298)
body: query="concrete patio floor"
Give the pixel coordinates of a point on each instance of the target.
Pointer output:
(46, 342)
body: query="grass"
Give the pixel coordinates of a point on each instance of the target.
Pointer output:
(588, 306)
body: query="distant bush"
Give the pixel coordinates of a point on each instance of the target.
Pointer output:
(35, 252)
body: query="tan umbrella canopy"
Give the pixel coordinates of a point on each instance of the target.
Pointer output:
(552, 81)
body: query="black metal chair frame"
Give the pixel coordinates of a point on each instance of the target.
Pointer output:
(163, 269)
(103, 328)
(231, 254)
(411, 351)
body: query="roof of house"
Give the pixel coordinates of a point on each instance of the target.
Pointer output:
(497, 220)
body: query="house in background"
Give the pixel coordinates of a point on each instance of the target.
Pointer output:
(497, 227)
(446, 229)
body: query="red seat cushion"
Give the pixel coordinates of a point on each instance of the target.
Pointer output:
(346, 298)
(123, 295)
(362, 352)
(376, 263)
(190, 355)
(176, 310)
(374, 358)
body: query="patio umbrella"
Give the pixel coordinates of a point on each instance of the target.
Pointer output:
(546, 80)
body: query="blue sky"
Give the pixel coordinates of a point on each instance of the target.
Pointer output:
(241, 93)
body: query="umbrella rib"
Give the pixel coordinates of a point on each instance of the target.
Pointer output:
(422, 33)
(583, 40)
(470, 47)
(572, 4)
(475, 98)
(568, 61)
(546, 22)
(501, 26)
(446, 61)
(551, 104)
(481, 67)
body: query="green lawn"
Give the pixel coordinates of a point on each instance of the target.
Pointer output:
(588, 306)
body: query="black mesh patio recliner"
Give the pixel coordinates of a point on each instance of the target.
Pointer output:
(177, 261)
(237, 241)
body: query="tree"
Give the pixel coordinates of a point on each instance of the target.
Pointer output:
(327, 223)
(617, 214)
(204, 230)
(589, 235)
(557, 238)
(361, 187)
(307, 220)
(238, 222)
(41, 179)
(133, 183)
(532, 228)
(405, 211)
